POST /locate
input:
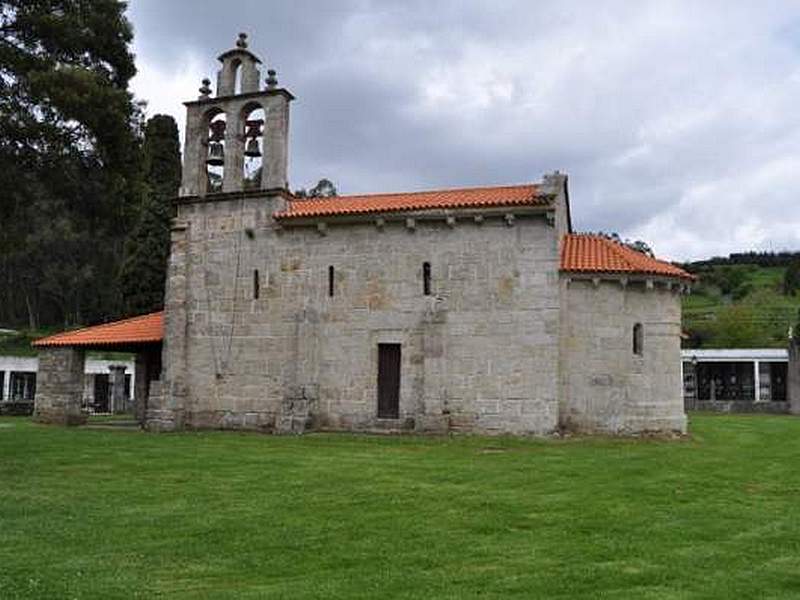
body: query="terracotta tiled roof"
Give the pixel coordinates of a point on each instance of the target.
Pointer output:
(136, 330)
(514, 195)
(584, 253)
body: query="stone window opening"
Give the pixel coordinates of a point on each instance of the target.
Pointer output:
(256, 285)
(638, 339)
(331, 281)
(215, 159)
(253, 119)
(426, 278)
(237, 76)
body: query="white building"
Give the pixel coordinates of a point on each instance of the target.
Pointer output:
(736, 379)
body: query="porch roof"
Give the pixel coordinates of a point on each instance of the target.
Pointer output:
(131, 332)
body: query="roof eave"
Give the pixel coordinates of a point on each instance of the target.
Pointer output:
(612, 275)
(246, 96)
(43, 343)
(418, 214)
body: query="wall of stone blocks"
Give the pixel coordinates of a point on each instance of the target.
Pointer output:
(604, 385)
(480, 354)
(59, 386)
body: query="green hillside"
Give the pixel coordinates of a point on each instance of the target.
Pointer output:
(740, 305)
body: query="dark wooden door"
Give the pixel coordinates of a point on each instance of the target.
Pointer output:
(388, 381)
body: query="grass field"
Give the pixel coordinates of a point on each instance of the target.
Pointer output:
(123, 514)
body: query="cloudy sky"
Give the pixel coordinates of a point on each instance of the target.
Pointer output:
(677, 122)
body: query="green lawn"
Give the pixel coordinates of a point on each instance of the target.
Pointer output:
(123, 514)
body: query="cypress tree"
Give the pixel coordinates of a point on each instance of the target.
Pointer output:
(143, 272)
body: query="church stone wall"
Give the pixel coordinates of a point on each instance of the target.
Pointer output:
(253, 339)
(479, 354)
(605, 387)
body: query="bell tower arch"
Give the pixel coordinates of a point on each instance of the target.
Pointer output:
(241, 124)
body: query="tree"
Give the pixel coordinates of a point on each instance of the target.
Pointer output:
(791, 278)
(143, 272)
(737, 326)
(324, 189)
(640, 246)
(732, 280)
(637, 245)
(69, 158)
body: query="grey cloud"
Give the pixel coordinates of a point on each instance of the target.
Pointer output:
(663, 114)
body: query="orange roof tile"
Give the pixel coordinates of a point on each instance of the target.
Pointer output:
(513, 195)
(585, 253)
(135, 330)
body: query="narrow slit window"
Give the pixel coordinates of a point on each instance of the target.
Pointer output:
(426, 278)
(638, 339)
(256, 285)
(331, 281)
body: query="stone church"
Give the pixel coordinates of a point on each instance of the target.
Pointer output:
(472, 310)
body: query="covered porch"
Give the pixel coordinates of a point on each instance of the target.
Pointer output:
(736, 380)
(60, 383)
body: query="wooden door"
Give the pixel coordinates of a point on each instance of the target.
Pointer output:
(388, 381)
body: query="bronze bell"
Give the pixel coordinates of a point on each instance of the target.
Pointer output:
(216, 155)
(252, 150)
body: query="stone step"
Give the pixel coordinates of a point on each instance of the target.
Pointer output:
(126, 424)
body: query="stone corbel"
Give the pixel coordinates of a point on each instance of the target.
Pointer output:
(451, 221)
(550, 217)
(322, 228)
(411, 224)
(509, 217)
(478, 219)
(380, 223)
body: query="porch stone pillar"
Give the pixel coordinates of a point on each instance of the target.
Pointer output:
(59, 386)
(118, 399)
(140, 388)
(148, 368)
(793, 377)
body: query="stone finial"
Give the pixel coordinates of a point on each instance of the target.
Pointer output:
(553, 183)
(205, 89)
(272, 80)
(242, 41)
